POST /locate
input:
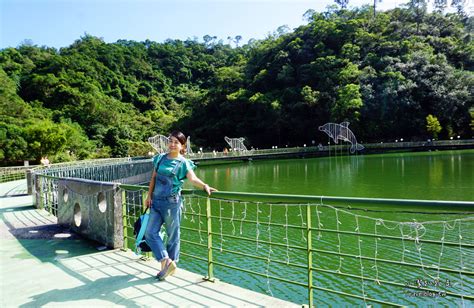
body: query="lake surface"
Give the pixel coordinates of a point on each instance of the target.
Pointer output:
(444, 175)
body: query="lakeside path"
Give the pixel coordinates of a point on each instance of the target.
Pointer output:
(42, 264)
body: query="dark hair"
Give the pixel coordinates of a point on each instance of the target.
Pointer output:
(181, 138)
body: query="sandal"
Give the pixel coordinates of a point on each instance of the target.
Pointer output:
(168, 270)
(158, 275)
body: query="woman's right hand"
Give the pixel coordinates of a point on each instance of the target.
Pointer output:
(147, 202)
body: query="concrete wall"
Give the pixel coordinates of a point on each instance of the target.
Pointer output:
(92, 209)
(140, 178)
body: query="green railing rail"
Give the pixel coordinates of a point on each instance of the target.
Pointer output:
(208, 216)
(348, 201)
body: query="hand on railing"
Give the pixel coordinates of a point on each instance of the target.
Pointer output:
(208, 189)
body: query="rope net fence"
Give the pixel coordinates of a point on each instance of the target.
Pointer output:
(363, 257)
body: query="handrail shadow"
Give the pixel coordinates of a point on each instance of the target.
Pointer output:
(14, 189)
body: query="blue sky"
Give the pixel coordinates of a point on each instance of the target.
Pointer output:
(58, 23)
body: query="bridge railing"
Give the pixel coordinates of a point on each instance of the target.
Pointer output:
(418, 144)
(8, 174)
(320, 246)
(105, 170)
(333, 148)
(69, 169)
(366, 251)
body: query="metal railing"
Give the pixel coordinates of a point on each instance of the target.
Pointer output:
(46, 192)
(335, 149)
(8, 174)
(212, 233)
(331, 148)
(91, 169)
(303, 241)
(105, 170)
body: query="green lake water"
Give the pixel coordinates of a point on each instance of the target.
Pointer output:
(444, 175)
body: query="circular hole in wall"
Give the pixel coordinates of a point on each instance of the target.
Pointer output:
(101, 202)
(77, 214)
(62, 235)
(65, 195)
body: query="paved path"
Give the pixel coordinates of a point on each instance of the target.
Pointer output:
(42, 264)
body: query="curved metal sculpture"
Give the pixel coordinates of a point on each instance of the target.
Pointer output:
(159, 143)
(189, 151)
(341, 132)
(236, 144)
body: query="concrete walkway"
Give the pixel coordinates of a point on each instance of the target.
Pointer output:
(42, 264)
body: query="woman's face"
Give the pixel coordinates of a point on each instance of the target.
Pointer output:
(174, 146)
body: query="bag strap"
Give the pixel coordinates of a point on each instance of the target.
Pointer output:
(159, 161)
(144, 217)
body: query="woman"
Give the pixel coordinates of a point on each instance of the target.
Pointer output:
(164, 196)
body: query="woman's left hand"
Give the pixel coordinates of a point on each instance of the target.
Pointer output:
(208, 189)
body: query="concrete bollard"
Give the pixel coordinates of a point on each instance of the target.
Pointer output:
(29, 181)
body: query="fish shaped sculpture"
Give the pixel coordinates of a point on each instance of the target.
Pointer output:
(341, 132)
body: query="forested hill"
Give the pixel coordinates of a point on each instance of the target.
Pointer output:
(383, 74)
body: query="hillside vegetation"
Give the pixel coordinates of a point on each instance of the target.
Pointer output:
(385, 74)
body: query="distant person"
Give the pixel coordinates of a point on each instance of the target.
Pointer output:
(45, 161)
(164, 197)
(226, 151)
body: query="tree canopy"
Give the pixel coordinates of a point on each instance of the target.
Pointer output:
(383, 73)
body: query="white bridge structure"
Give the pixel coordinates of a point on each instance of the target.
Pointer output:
(236, 144)
(189, 151)
(159, 143)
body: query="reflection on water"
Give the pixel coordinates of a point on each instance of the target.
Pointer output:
(435, 172)
(447, 175)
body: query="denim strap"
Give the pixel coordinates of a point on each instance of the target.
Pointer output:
(178, 165)
(157, 166)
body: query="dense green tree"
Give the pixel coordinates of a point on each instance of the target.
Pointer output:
(432, 125)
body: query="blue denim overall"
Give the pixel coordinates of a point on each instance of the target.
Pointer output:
(165, 209)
